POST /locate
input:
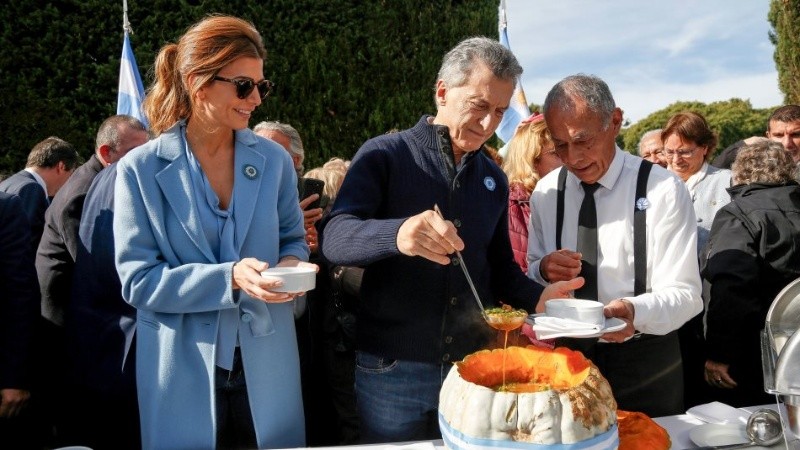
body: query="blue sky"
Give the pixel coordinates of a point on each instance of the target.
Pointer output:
(651, 53)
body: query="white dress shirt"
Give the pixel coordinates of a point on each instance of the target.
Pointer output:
(673, 290)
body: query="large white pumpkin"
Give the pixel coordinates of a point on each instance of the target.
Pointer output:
(551, 397)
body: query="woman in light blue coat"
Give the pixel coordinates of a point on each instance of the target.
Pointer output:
(200, 211)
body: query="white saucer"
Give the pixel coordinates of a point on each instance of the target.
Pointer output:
(718, 413)
(612, 324)
(718, 434)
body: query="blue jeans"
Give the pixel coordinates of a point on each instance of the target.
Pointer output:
(235, 428)
(397, 400)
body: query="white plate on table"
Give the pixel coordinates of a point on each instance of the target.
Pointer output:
(724, 434)
(612, 324)
(718, 413)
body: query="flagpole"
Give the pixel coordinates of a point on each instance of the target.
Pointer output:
(501, 16)
(130, 93)
(126, 26)
(518, 108)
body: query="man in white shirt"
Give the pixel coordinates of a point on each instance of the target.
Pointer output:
(642, 362)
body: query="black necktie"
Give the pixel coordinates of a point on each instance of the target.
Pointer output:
(587, 243)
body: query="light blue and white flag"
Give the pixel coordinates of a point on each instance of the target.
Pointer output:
(131, 90)
(518, 109)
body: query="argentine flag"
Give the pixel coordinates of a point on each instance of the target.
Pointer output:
(518, 109)
(131, 90)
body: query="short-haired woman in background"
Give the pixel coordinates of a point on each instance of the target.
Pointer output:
(753, 253)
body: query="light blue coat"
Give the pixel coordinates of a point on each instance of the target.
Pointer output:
(170, 275)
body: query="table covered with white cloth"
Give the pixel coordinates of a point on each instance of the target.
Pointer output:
(678, 426)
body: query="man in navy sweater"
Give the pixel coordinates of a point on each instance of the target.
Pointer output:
(417, 314)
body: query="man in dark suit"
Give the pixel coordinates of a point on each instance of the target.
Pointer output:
(50, 164)
(57, 251)
(100, 331)
(19, 307)
(59, 244)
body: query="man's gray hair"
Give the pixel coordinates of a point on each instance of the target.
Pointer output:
(460, 61)
(296, 143)
(590, 89)
(647, 135)
(109, 131)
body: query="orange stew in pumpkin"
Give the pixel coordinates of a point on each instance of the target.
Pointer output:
(528, 369)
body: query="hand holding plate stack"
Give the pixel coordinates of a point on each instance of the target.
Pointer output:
(573, 318)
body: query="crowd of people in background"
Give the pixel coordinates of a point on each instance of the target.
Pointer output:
(134, 313)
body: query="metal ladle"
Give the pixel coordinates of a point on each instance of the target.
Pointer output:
(464, 269)
(763, 428)
(498, 323)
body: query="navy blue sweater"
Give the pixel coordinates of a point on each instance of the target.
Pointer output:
(412, 308)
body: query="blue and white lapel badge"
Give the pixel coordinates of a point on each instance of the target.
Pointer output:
(642, 203)
(489, 183)
(250, 171)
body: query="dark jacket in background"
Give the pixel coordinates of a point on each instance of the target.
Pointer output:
(100, 328)
(19, 295)
(55, 258)
(19, 314)
(753, 253)
(34, 202)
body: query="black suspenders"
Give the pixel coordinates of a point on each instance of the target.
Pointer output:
(640, 230)
(639, 223)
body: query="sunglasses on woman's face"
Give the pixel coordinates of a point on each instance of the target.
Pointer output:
(245, 86)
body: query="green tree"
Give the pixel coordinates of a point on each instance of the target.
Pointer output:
(345, 70)
(784, 16)
(732, 120)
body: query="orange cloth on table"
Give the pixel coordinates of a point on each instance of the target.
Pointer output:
(637, 431)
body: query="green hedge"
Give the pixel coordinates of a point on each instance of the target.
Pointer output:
(345, 70)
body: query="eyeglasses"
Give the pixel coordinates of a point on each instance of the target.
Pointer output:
(245, 86)
(685, 153)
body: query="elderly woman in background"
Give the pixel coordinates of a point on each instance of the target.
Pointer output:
(531, 155)
(689, 144)
(332, 174)
(753, 253)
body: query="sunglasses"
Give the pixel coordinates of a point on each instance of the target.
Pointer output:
(245, 86)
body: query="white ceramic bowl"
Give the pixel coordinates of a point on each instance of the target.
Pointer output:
(586, 311)
(295, 279)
